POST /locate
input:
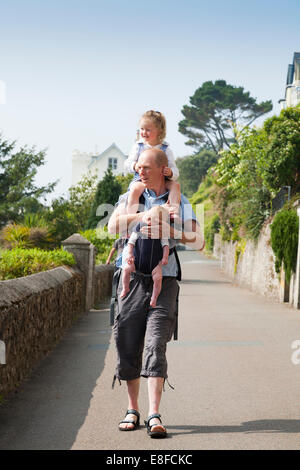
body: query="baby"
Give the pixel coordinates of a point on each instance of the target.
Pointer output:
(147, 255)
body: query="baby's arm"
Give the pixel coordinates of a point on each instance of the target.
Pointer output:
(130, 253)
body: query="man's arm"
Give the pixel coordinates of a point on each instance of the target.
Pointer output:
(121, 222)
(191, 233)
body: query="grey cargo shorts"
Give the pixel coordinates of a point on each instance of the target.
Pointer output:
(141, 332)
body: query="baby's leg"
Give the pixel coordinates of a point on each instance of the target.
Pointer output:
(174, 198)
(157, 281)
(136, 190)
(126, 271)
(165, 257)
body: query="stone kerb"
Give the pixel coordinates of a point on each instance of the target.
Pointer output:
(84, 254)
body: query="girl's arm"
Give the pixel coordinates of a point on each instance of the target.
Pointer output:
(132, 159)
(172, 164)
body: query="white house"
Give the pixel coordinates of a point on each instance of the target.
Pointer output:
(83, 162)
(292, 89)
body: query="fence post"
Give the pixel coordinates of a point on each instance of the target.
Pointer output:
(297, 281)
(84, 254)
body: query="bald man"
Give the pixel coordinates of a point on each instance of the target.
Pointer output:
(142, 332)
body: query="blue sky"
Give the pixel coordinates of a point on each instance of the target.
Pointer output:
(79, 74)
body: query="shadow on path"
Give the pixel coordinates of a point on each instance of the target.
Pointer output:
(203, 281)
(261, 426)
(51, 406)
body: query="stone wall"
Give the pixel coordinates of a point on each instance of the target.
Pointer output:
(37, 310)
(102, 282)
(254, 267)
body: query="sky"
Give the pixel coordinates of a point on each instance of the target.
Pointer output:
(78, 75)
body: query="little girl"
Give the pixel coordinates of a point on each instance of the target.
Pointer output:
(152, 134)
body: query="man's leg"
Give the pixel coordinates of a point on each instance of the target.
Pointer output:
(155, 388)
(133, 388)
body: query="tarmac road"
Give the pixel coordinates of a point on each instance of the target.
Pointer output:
(236, 386)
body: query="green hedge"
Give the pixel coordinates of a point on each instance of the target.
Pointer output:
(20, 262)
(284, 241)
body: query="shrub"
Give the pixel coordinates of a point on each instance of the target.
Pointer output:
(210, 230)
(20, 262)
(13, 235)
(102, 240)
(284, 241)
(21, 236)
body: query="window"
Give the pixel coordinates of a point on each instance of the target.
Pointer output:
(112, 163)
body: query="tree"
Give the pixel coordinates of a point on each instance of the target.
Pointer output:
(18, 192)
(67, 216)
(82, 197)
(279, 164)
(215, 113)
(192, 170)
(108, 192)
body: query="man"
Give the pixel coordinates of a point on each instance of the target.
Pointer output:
(139, 328)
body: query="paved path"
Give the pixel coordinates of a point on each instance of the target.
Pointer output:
(235, 384)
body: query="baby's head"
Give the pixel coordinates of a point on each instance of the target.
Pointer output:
(153, 127)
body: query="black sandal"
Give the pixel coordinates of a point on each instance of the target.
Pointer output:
(131, 421)
(155, 434)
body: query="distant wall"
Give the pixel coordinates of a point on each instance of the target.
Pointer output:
(255, 267)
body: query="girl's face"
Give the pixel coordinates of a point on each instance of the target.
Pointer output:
(149, 132)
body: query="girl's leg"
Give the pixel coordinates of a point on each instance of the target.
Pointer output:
(174, 197)
(135, 192)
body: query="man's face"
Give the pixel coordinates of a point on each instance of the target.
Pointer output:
(149, 172)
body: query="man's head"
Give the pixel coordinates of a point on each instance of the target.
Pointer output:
(150, 166)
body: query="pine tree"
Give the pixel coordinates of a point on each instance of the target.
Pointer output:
(108, 192)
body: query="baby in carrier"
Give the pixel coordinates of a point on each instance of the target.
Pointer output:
(147, 255)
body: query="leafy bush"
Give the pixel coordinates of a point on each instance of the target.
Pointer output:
(284, 241)
(14, 235)
(20, 262)
(210, 230)
(102, 240)
(21, 236)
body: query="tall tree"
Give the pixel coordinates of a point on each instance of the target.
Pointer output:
(216, 111)
(192, 170)
(18, 191)
(108, 192)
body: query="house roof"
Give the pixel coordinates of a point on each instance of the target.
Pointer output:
(98, 157)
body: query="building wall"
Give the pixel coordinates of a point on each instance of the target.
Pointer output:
(83, 162)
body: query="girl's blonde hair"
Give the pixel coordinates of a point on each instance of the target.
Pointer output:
(158, 120)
